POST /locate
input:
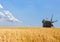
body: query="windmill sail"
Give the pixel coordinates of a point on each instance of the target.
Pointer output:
(52, 18)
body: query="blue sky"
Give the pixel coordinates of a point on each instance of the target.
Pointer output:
(31, 12)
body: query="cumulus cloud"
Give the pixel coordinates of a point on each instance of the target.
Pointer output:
(1, 6)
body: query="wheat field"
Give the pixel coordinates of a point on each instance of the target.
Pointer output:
(29, 34)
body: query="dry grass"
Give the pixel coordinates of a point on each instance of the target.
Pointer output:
(29, 34)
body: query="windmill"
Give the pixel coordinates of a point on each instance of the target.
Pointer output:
(48, 23)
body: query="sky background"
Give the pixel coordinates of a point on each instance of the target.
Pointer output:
(32, 12)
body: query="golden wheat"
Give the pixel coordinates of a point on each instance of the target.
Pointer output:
(29, 34)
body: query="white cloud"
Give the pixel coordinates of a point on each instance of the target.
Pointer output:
(6, 18)
(1, 6)
(2, 16)
(11, 17)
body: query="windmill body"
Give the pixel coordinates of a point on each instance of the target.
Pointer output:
(48, 23)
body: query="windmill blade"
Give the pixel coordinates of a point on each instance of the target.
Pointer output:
(54, 21)
(51, 17)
